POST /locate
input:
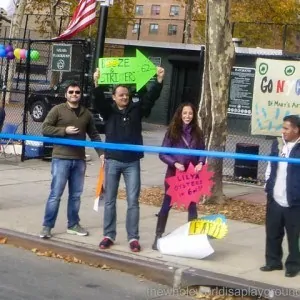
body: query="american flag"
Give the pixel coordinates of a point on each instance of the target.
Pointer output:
(84, 15)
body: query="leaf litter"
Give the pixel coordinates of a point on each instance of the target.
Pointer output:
(68, 258)
(238, 210)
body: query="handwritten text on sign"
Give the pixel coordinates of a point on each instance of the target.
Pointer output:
(276, 95)
(126, 70)
(125, 74)
(214, 228)
(189, 186)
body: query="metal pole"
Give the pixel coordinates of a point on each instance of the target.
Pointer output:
(25, 112)
(99, 51)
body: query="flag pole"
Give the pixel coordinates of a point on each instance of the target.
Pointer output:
(102, 23)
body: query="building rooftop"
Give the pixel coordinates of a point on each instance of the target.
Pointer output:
(181, 46)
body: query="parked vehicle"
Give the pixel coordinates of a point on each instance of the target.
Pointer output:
(41, 101)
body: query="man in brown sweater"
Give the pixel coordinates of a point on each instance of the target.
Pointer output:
(73, 121)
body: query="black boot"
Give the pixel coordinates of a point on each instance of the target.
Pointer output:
(160, 228)
(192, 212)
(192, 217)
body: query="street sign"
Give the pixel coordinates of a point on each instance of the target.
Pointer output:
(61, 57)
(126, 70)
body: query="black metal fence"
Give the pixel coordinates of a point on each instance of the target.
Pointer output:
(20, 79)
(253, 34)
(33, 80)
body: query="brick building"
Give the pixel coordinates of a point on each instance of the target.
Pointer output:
(161, 21)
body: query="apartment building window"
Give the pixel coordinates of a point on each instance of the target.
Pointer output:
(174, 10)
(139, 10)
(172, 29)
(153, 28)
(136, 28)
(155, 10)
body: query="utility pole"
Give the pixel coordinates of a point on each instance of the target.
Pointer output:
(102, 24)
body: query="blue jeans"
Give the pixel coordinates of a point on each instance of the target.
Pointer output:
(63, 170)
(131, 173)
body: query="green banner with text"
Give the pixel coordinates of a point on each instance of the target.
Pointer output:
(126, 70)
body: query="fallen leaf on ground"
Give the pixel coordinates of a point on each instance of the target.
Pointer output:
(105, 267)
(233, 209)
(3, 240)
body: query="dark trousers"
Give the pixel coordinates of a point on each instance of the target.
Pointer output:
(166, 206)
(279, 218)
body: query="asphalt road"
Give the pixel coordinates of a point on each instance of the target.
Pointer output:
(26, 276)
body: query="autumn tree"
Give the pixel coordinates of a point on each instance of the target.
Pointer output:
(14, 31)
(194, 29)
(264, 27)
(188, 18)
(52, 16)
(219, 54)
(120, 15)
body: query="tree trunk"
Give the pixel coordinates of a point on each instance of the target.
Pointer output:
(14, 33)
(54, 32)
(53, 11)
(188, 21)
(219, 53)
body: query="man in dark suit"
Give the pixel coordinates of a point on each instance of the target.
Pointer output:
(283, 201)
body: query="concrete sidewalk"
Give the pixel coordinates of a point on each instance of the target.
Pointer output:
(24, 188)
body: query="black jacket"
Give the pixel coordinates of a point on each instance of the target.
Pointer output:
(293, 174)
(125, 126)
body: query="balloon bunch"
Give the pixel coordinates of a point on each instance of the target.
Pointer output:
(10, 53)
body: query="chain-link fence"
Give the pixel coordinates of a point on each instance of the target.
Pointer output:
(46, 85)
(11, 89)
(253, 34)
(32, 86)
(240, 140)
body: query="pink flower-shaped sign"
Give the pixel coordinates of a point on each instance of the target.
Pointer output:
(188, 186)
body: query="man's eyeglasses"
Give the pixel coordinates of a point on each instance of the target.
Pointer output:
(72, 92)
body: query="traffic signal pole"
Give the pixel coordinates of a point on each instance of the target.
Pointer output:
(102, 24)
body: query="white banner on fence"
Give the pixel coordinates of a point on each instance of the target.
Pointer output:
(276, 94)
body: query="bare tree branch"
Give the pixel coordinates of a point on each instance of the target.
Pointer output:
(4, 18)
(56, 3)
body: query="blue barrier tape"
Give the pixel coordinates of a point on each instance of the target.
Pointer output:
(140, 148)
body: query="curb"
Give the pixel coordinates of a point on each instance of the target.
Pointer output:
(175, 276)
(154, 271)
(237, 286)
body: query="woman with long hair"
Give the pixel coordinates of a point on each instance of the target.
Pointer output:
(183, 132)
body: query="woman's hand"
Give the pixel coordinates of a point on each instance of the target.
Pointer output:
(179, 166)
(198, 167)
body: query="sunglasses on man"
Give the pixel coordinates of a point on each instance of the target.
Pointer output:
(72, 92)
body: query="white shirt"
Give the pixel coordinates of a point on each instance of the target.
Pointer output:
(279, 192)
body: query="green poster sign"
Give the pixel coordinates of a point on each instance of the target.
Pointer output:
(61, 57)
(126, 70)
